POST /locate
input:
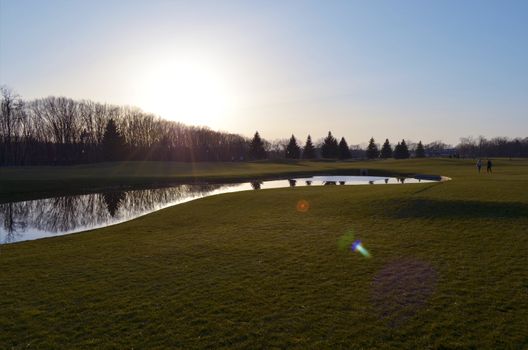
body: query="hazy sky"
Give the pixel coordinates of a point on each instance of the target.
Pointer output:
(399, 69)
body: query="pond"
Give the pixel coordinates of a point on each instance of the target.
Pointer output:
(28, 220)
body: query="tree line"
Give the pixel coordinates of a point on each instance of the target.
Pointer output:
(60, 130)
(330, 148)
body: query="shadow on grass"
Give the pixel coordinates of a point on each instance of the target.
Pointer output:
(431, 208)
(401, 289)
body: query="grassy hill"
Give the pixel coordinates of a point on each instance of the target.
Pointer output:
(448, 265)
(18, 183)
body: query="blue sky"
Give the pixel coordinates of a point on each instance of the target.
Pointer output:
(419, 70)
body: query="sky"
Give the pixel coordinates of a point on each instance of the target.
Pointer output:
(419, 70)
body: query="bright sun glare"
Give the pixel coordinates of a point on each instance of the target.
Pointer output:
(189, 91)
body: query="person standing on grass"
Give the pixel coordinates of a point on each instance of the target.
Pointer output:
(490, 164)
(479, 165)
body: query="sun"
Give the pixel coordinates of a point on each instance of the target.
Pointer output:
(190, 91)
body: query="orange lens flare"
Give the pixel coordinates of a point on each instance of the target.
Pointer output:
(303, 206)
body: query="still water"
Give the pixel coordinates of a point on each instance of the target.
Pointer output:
(28, 220)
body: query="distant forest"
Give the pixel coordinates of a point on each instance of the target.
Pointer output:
(59, 130)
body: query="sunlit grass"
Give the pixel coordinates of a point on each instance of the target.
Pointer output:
(33, 182)
(448, 269)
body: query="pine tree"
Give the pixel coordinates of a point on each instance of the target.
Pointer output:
(330, 148)
(420, 151)
(256, 148)
(401, 151)
(309, 149)
(386, 150)
(397, 151)
(404, 150)
(113, 142)
(344, 151)
(293, 151)
(372, 149)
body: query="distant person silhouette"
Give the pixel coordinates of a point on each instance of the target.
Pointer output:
(479, 165)
(489, 166)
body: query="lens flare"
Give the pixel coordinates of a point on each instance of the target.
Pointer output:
(303, 206)
(358, 247)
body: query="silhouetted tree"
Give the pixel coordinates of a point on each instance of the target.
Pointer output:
(401, 151)
(386, 150)
(372, 149)
(420, 151)
(439, 148)
(59, 130)
(276, 149)
(293, 151)
(404, 150)
(330, 148)
(309, 149)
(344, 151)
(12, 126)
(397, 151)
(482, 147)
(256, 148)
(113, 144)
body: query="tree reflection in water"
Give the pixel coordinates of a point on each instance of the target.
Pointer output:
(256, 185)
(66, 214)
(59, 215)
(113, 200)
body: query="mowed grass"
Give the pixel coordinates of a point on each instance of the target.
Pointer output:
(448, 269)
(20, 183)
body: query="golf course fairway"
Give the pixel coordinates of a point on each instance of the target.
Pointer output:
(447, 266)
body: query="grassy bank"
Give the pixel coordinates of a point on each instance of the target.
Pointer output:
(18, 183)
(448, 269)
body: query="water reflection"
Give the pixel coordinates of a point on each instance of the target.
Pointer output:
(256, 185)
(113, 200)
(28, 220)
(66, 214)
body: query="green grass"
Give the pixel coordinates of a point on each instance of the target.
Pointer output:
(19, 183)
(246, 270)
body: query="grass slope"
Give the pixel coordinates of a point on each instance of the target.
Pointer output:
(247, 270)
(19, 183)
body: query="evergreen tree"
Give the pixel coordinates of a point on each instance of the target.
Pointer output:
(420, 151)
(401, 151)
(309, 149)
(293, 151)
(386, 150)
(344, 151)
(404, 150)
(256, 148)
(330, 148)
(113, 142)
(372, 149)
(397, 151)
